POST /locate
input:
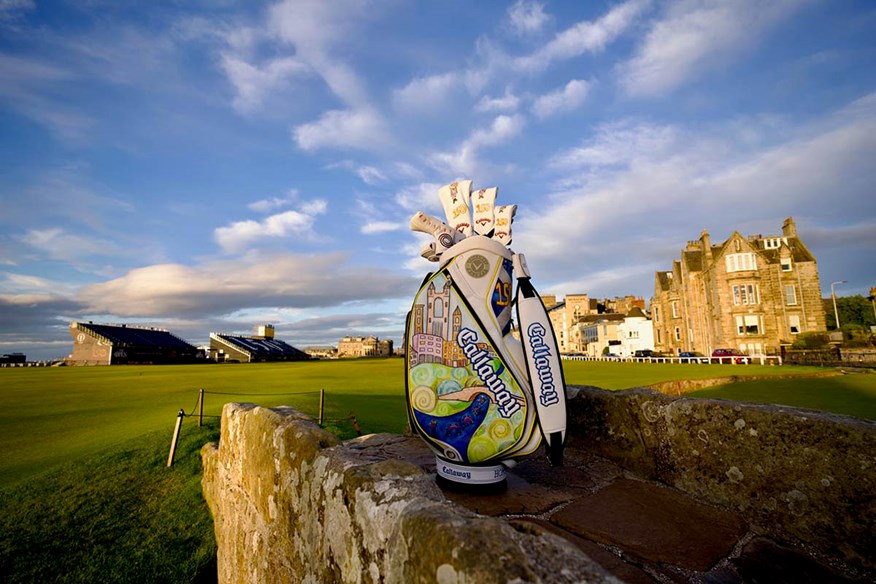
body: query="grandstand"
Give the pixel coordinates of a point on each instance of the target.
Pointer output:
(249, 349)
(103, 344)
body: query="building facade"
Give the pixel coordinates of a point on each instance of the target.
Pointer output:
(753, 293)
(351, 347)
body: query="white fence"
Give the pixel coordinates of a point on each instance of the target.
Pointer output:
(732, 360)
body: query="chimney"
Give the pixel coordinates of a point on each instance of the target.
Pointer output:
(707, 245)
(789, 228)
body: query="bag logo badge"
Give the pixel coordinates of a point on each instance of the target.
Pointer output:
(477, 266)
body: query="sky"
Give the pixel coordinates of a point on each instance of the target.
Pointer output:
(209, 166)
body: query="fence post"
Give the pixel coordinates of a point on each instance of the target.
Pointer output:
(179, 419)
(200, 407)
(321, 404)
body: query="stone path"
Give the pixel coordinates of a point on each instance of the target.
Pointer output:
(639, 531)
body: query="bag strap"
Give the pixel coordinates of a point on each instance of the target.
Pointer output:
(542, 362)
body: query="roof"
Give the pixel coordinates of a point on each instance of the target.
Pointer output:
(131, 336)
(693, 260)
(636, 312)
(663, 280)
(262, 348)
(591, 318)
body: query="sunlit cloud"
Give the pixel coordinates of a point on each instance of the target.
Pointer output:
(242, 235)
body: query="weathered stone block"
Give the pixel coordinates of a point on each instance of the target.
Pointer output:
(291, 503)
(798, 475)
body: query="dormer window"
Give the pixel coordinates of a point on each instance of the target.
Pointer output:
(737, 262)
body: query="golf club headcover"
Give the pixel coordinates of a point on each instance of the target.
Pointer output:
(476, 394)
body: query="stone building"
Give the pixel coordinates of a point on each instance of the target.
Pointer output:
(364, 347)
(568, 316)
(754, 294)
(598, 334)
(564, 315)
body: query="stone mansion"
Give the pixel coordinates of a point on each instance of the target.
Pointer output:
(753, 293)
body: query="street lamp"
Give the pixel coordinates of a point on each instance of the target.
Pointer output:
(833, 295)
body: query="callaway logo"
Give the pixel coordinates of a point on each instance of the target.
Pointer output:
(540, 359)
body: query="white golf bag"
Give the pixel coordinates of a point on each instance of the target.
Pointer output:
(475, 392)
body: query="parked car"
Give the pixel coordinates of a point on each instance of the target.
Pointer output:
(645, 353)
(690, 357)
(725, 355)
(612, 356)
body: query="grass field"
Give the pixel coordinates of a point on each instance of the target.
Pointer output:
(85, 495)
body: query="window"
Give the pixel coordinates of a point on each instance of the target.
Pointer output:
(794, 324)
(774, 242)
(746, 294)
(656, 314)
(790, 295)
(786, 264)
(748, 324)
(659, 340)
(677, 334)
(675, 310)
(737, 262)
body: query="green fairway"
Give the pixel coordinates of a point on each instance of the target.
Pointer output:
(853, 394)
(52, 415)
(624, 375)
(85, 495)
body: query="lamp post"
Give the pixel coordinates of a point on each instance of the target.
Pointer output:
(833, 295)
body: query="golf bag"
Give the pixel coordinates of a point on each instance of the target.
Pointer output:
(477, 395)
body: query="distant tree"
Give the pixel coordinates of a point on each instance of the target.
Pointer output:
(811, 341)
(853, 310)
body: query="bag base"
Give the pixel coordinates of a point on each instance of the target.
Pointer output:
(470, 478)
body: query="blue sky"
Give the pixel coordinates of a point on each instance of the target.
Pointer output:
(213, 165)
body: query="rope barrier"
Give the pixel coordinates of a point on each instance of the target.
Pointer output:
(199, 407)
(246, 393)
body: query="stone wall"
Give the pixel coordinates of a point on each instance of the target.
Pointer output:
(293, 504)
(801, 476)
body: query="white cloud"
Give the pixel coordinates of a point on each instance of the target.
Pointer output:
(12, 9)
(561, 101)
(316, 29)
(527, 17)
(381, 227)
(27, 84)
(649, 188)
(506, 103)
(696, 35)
(223, 287)
(419, 197)
(370, 175)
(464, 159)
(427, 93)
(253, 83)
(359, 129)
(584, 37)
(500, 131)
(620, 143)
(268, 205)
(241, 235)
(57, 244)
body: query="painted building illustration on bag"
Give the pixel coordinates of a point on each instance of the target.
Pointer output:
(464, 400)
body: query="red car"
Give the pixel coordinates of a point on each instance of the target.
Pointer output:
(725, 355)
